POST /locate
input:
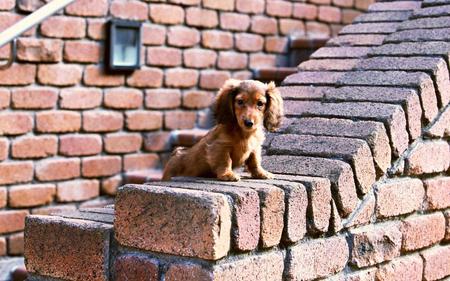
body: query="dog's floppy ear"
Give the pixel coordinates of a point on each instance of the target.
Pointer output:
(274, 108)
(223, 105)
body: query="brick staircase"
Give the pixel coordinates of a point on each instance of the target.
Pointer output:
(356, 195)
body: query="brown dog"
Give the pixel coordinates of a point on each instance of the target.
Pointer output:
(242, 109)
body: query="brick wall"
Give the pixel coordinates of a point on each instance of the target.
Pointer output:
(68, 131)
(362, 185)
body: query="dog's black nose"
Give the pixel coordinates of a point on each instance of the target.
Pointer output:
(248, 123)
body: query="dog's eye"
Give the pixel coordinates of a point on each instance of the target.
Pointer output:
(240, 102)
(260, 104)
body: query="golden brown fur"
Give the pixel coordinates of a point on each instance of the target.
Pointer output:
(242, 109)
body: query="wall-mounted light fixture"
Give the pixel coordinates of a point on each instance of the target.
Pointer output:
(124, 45)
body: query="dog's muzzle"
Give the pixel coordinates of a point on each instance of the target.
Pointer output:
(248, 123)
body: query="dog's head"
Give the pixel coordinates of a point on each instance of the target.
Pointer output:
(249, 103)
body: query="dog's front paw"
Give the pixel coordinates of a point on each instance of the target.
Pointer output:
(229, 177)
(262, 175)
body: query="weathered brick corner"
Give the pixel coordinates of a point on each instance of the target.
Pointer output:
(361, 188)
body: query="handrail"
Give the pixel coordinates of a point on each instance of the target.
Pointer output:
(31, 20)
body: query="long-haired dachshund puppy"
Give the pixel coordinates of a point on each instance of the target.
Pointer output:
(242, 110)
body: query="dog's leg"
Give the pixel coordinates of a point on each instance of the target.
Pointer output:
(253, 164)
(225, 172)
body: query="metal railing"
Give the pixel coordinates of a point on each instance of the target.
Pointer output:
(11, 33)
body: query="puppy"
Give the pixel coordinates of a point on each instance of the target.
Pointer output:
(242, 110)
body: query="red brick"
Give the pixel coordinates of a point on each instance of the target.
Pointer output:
(153, 34)
(58, 169)
(407, 268)
(4, 147)
(130, 10)
(303, 259)
(422, 231)
(3, 197)
(59, 74)
(436, 263)
(31, 195)
(247, 42)
(212, 79)
(146, 78)
(99, 166)
(329, 14)
(262, 60)
(232, 60)
(18, 74)
(292, 27)
(157, 141)
(135, 267)
(375, 244)
(7, 4)
(102, 121)
(279, 8)
(110, 185)
(242, 75)
(95, 76)
(5, 97)
(96, 29)
(305, 11)
(68, 27)
(264, 25)
(162, 98)
(34, 147)
(143, 120)
(77, 190)
(214, 39)
(54, 209)
(3, 250)
(88, 8)
(234, 21)
(11, 221)
(225, 5)
(348, 15)
(399, 196)
(8, 19)
(80, 98)
(166, 14)
(343, 3)
(15, 244)
(199, 58)
(181, 36)
(276, 44)
(133, 162)
(123, 98)
(86, 242)
(179, 120)
(80, 145)
(163, 56)
(16, 172)
(250, 6)
(122, 142)
(197, 99)
(39, 50)
(58, 121)
(181, 78)
(207, 231)
(317, 29)
(82, 51)
(34, 98)
(437, 195)
(201, 18)
(419, 161)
